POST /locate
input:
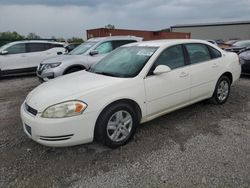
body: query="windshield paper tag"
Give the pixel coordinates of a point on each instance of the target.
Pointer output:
(145, 53)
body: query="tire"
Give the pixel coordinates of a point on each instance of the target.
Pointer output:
(73, 69)
(222, 91)
(116, 125)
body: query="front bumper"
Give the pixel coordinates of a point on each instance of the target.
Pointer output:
(59, 132)
(47, 74)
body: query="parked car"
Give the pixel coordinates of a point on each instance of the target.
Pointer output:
(231, 42)
(227, 44)
(213, 42)
(238, 46)
(245, 60)
(71, 47)
(82, 57)
(25, 56)
(134, 84)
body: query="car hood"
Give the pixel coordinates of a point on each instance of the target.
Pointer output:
(235, 48)
(69, 87)
(64, 58)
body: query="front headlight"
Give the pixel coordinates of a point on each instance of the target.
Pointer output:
(51, 65)
(65, 109)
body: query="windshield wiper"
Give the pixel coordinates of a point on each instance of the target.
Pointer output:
(106, 74)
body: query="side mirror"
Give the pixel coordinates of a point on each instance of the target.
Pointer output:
(59, 53)
(93, 52)
(160, 69)
(4, 52)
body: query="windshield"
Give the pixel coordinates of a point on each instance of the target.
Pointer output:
(82, 48)
(124, 62)
(242, 43)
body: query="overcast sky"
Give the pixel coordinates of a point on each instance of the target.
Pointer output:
(67, 18)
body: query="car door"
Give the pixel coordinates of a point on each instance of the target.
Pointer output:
(37, 52)
(168, 90)
(16, 58)
(204, 70)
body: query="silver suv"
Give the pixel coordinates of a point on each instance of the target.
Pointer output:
(82, 57)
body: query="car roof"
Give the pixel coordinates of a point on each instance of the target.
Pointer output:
(98, 39)
(167, 42)
(37, 41)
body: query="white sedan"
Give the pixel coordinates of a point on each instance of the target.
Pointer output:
(134, 84)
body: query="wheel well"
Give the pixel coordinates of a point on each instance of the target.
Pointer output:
(229, 75)
(74, 66)
(130, 102)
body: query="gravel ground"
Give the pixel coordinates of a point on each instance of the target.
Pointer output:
(203, 145)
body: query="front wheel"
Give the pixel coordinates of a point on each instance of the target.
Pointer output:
(222, 90)
(116, 125)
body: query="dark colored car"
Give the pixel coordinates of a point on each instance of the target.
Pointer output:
(245, 61)
(239, 46)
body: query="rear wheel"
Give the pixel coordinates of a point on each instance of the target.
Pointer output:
(222, 90)
(116, 125)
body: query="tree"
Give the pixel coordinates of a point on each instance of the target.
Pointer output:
(10, 36)
(32, 36)
(75, 40)
(109, 26)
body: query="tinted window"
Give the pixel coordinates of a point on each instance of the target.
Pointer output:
(104, 48)
(56, 45)
(17, 49)
(36, 47)
(214, 53)
(119, 43)
(172, 57)
(198, 53)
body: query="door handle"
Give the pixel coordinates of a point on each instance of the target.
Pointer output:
(215, 66)
(183, 74)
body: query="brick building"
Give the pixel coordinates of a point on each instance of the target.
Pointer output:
(147, 35)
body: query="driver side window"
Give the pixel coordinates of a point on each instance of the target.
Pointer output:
(173, 57)
(104, 48)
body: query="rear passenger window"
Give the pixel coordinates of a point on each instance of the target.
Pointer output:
(198, 53)
(214, 53)
(119, 43)
(36, 47)
(172, 57)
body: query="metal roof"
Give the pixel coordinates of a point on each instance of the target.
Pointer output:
(212, 24)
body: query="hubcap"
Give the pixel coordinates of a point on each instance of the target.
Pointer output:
(223, 90)
(119, 126)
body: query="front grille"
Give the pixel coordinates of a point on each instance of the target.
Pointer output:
(56, 138)
(40, 69)
(30, 109)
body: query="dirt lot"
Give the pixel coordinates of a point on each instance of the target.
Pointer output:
(200, 146)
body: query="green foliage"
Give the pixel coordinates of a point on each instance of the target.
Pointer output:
(109, 26)
(32, 36)
(11, 36)
(8, 36)
(75, 40)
